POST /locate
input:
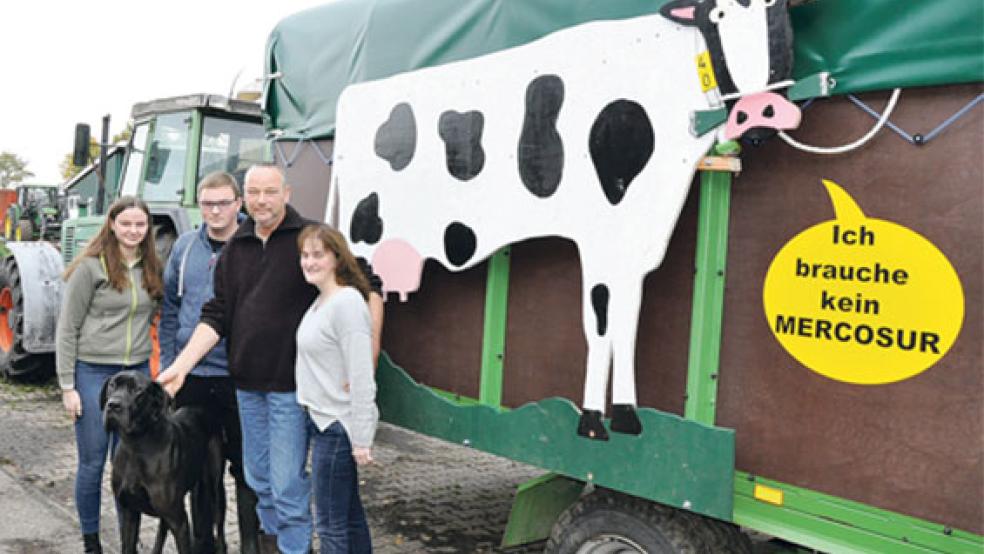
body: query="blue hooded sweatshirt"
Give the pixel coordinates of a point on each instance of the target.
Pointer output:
(187, 286)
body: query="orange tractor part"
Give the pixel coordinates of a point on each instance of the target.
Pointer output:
(7, 197)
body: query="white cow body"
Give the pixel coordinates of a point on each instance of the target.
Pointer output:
(649, 60)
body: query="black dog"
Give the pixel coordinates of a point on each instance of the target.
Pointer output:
(162, 455)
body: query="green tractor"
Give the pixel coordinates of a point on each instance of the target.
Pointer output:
(175, 142)
(36, 215)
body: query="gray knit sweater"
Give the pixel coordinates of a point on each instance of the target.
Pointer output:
(99, 324)
(335, 375)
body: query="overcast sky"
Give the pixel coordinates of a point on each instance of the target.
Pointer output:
(68, 62)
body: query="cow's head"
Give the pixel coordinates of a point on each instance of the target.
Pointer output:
(751, 47)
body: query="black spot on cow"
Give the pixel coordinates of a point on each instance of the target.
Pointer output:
(541, 152)
(459, 243)
(599, 301)
(462, 136)
(396, 139)
(366, 225)
(621, 143)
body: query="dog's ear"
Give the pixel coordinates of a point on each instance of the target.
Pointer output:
(104, 393)
(151, 403)
(156, 398)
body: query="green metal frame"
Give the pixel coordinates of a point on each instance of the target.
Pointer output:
(688, 464)
(494, 334)
(538, 504)
(833, 524)
(189, 198)
(708, 303)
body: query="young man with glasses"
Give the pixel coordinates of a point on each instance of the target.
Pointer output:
(188, 284)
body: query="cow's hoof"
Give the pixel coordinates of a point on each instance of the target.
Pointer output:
(590, 426)
(625, 420)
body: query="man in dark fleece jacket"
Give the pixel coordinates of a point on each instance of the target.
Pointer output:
(260, 298)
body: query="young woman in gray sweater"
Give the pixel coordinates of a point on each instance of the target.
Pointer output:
(336, 385)
(111, 295)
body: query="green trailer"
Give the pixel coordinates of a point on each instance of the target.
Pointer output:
(755, 414)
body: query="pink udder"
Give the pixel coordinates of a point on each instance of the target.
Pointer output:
(399, 265)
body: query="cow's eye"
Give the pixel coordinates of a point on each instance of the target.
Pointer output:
(716, 15)
(770, 3)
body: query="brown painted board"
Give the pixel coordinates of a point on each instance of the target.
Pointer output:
(915, 446)
(437, 335)
(545, 345)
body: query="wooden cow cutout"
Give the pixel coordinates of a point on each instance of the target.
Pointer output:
(583, 134)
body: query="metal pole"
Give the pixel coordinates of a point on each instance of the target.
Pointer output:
(103, 146)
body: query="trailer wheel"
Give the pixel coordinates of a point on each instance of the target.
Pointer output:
(606, 522)
(15, 362)
(721, 536)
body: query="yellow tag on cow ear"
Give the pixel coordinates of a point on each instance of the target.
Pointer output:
(706, 71)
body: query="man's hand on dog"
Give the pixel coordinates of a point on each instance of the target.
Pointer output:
(72, 403)
(363, 456)
(172, 379)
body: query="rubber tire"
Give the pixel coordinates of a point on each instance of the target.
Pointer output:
(721, 536)
(17, 363)
(657, 529)
(164, 238)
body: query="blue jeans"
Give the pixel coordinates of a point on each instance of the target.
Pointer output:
(92, 440)
(340, 518)
(275, 446)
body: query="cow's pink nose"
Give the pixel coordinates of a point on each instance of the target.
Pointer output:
(765, 109)
(399, 265)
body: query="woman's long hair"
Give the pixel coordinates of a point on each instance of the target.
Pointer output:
(104, 245)
(347, 270)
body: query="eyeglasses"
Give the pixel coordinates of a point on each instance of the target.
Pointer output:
(212, 204)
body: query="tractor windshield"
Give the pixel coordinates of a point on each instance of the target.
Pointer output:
(230, 145)
(167, 153)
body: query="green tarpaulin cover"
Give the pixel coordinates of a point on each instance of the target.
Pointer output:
(864, 44)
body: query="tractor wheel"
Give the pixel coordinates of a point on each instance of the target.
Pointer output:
(15, 362)
(164, 237)
(606, 522)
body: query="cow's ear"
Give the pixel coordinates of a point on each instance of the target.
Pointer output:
(683, 12)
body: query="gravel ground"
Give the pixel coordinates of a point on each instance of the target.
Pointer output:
(421, 495)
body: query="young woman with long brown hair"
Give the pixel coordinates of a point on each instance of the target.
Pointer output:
(112, 293)
(336, 383)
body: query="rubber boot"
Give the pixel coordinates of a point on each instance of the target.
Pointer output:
(249, 522)
(90, 543)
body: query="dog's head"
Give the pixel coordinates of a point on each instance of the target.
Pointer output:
(132, 403)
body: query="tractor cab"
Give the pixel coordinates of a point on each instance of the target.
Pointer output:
(175, 142)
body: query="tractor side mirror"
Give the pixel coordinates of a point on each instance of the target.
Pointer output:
(80, 155)
(156, 163)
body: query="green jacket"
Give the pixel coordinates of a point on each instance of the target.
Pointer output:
(101, 325)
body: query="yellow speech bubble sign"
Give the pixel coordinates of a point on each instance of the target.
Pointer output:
(863, 300)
